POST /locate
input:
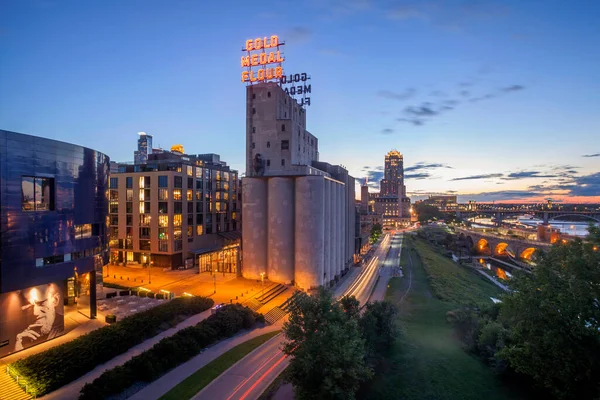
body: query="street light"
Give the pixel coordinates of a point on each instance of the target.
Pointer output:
(262, 282)
(215, 281)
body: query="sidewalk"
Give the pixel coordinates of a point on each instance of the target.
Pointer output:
(501, 286)
(71, 391)
(168, 381)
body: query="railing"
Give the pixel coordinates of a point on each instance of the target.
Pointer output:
(22, 383)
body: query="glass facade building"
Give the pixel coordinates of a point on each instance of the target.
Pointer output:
(53, 221)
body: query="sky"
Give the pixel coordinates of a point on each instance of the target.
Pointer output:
(489, 100)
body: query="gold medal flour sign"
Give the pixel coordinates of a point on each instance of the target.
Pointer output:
(263, 61)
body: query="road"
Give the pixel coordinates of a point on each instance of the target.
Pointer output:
(249, 378)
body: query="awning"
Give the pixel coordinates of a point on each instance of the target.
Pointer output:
(204, 250)
(233, 235)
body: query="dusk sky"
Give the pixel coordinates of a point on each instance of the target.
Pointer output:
(491, 100)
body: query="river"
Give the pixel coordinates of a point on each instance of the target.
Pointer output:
(573, 228)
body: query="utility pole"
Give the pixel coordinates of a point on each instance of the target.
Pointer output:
(262, 282)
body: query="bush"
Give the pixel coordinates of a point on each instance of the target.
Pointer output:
(53, 368)
(170, 352)
(150, 295)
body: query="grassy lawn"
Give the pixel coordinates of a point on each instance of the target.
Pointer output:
(427, 361)
(205, 375)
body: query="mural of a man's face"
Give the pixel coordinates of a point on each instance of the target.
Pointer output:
(44, 307)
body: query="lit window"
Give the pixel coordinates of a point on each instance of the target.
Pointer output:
(190, 170)
(163, 220)
(141, 182)
(199, 230)
(177, 220)
(177, 194)
(163, 194)
(190, 195)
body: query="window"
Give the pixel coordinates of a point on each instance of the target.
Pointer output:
(163, 194)
(190, 233)
(190, 195)
(144, 233)
(190, 207)
(163, 207)
(163, 245)
(114, 220)
(268, 94)
(177, 207)
(253, 129)
(177, 233)
(199, 230)
(190, 170)
(144, 219)
(113, 195)
(282, 127)
(199, 207)
(253, 110)
(145, 245)
(141, 182)
(198, 195)
(46, 261)
(283, 162)
(177, 194)
(178, 183)
(285, 145)
(37, 194)
(129, 220)
(268, 145)
(114, 183)
(199, 219)
(268, 163)
(177, 220)
(163, 220)
(129, 195)
(83, 231)
(163, 181)
(113, 207)
(129, 182)
(177, 245)
(253, 95)
(253, 145)
(129, 207)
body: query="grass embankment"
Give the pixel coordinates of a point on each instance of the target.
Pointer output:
(205, 375)
(427, 361)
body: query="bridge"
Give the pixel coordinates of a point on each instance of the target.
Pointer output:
(502, 212)
(494, 245)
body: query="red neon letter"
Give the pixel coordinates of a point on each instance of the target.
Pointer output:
(245, 61)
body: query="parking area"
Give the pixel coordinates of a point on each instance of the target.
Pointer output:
(124, 306)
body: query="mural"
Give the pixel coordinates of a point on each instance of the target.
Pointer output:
(30, 316)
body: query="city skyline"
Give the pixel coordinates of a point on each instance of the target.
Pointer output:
(489, 101)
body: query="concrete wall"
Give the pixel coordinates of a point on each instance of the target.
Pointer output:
(281, 199)
(309, 243)
(254, 234)
(329, 275)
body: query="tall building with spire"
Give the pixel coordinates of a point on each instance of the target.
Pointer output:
(392, 201)
(393, 174)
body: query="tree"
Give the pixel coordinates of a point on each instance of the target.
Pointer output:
(426, 212)
(553, 318)
(379, 328)
(327, 352)
(376, 231)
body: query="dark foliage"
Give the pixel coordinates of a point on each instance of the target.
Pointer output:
(53, 368)
(171, 352)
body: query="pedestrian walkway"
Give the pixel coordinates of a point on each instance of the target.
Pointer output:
(9, 389)
(501, 286)
(171, 379)
(71, 391)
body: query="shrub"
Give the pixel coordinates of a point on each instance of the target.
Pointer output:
(150, 295)
(53, 368)
(170, 352)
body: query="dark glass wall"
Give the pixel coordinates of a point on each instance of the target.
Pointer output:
(45, 242)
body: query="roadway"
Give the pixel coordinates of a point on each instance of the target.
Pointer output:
(251, 376)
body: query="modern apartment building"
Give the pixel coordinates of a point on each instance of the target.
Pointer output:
(176, 210)
(299, 218)
(53, 236)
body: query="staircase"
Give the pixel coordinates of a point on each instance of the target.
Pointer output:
(252, 304)
(278, 312)
(271, 293)
(9, 389)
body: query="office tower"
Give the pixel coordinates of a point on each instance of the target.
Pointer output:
(144, 148)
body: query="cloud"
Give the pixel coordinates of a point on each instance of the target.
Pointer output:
(465, 93)
(406, 94)
(387, 131)
(299, 34)
(437, 93)
(421, 111)
(422, 165)
(513, 88)
(405, 12)
(504, 90)
(591, 155)
(529, 174)
(414, 121)
(418, 176)
(472, 177)
(587, 185)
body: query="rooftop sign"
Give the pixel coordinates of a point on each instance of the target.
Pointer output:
(263, 60)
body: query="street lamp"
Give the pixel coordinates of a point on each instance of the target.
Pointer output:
(262, 282)
(144, 258)
(215, 281)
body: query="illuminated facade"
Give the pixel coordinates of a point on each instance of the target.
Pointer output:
(176, 210)
(53, 213)
(391, 202)
(299, 213)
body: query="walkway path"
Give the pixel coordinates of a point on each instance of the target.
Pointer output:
(71, 391)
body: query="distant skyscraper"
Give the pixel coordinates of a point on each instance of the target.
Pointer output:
(393, 176)
(140, 156)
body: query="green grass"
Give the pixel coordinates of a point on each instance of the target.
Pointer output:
(205, 375)
(427, 362)
(453, 283)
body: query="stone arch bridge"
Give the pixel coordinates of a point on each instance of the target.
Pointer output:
(494, 245)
